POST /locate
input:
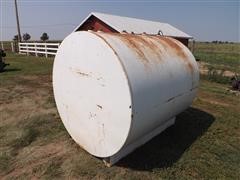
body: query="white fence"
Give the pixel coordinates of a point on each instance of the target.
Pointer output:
(38, 48)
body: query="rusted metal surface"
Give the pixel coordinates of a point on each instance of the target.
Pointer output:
(135, 85)
(141, 44)
(174, 45)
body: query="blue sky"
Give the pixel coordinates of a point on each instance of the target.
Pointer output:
(204, 20)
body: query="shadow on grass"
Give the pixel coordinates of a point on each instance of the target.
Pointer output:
(10, 70)
(166, 148)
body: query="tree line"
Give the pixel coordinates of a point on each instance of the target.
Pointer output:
(26, 37)
(220, 42)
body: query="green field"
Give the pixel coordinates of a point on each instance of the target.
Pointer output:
(220, 56)
(203, 144)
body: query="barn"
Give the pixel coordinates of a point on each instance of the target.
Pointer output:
(118, 24)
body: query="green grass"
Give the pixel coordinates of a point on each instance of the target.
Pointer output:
(22, 65)
(26, 138)
(4, 161)
(6, 45)
(216, 76)
(203, 144)
(212, 47)
(219, 56)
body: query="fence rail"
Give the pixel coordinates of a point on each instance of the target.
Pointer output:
(38, 48)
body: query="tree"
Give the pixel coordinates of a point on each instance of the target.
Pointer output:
(44, 37)
(15, 38)
(26, 36)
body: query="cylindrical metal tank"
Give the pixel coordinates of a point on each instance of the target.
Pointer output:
(116, 91)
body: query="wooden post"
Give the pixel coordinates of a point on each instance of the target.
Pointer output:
(36, 54)
(193, 46)
(12, 47)
(2, 45)
(27, 49)
(46, 50)
(17, 47)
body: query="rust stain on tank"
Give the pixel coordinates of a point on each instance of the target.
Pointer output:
(140, 44)
(148, 45)
(175, 46)
(133, 44)
(151, 46)
(82, 74)
(100, 107)
(79, 72)
(179, 51)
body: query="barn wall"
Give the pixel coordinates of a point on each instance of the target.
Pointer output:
(182, 40)
(95, 24)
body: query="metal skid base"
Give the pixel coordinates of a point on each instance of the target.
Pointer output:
(109, 161)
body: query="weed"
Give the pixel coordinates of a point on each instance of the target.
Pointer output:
(26, 138)
(47, 127)
(5, 160)
(215, 75)
(53, 168)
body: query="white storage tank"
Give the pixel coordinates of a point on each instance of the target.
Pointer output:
(116, 91)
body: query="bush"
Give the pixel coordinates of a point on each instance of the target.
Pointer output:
(215, 75)
(44, 37)
(26, 37)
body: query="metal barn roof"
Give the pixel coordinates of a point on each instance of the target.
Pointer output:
(120, 24)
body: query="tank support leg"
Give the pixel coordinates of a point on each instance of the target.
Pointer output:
(109, 161)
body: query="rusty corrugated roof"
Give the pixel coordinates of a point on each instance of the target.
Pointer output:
(120, 24)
